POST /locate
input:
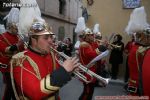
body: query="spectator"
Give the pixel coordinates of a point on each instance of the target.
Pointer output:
(116, 56)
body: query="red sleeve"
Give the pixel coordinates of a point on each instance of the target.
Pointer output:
(89, 52)
(3, 46)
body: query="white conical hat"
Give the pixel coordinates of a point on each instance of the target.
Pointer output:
(13, 16)
(80, 25)
(96, 28)
(137, 21)
(28, 15)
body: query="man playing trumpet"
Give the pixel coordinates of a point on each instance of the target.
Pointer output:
(87, 51)
(35, 72)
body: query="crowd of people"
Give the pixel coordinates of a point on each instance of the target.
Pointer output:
(38, 64)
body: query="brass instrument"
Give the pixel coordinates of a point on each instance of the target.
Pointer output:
(113, 45)
(104, 81)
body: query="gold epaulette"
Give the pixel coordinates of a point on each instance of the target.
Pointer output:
(18, 58)
(84, 44)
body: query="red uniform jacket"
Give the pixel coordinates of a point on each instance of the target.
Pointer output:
(87, 52)
(133, 68)
(129, 46)
(146, 74)
(36, 75)
(7, 39)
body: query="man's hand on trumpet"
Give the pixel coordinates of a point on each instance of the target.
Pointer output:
(70, 64)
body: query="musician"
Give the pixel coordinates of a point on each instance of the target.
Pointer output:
(145, 66)
(36, 72)
(87, 51)
(127, 51)
(116, 56)
(10, 44)
(137, 68)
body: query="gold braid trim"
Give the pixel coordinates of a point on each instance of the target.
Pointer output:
(17, 60)
(141, 50)
(14, 62)
(46, 86)
(53, 60)
(34, 66)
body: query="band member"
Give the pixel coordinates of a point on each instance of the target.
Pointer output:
(136, 54)
(127, 51)
(133, 70)
(36, 72)
(10, 44)
(145, 67)
(87, 51)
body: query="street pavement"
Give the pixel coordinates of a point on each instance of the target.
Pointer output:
(73, 89)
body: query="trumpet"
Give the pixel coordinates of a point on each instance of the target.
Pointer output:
(113, 45)
(104, 81)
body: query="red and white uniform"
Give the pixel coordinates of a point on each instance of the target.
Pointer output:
(133, 70)
(88, 52)
(38, 76)
(146, 73)
(7, 39)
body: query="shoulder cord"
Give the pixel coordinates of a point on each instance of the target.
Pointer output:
(34, 66)
(53, 60)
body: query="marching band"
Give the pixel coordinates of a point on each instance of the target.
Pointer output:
(37, 72)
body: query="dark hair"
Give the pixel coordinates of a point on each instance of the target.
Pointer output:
(80, 36)
(119, 37)
(69, 39)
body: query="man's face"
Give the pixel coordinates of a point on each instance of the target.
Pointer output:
(43, 43)
(14, 29)
(90, 37)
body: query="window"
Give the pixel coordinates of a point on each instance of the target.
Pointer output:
(61, 33)
(62, 4)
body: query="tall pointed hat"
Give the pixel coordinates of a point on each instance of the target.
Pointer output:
(137, 22)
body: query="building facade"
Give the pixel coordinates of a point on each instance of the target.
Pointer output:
(62, 15)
